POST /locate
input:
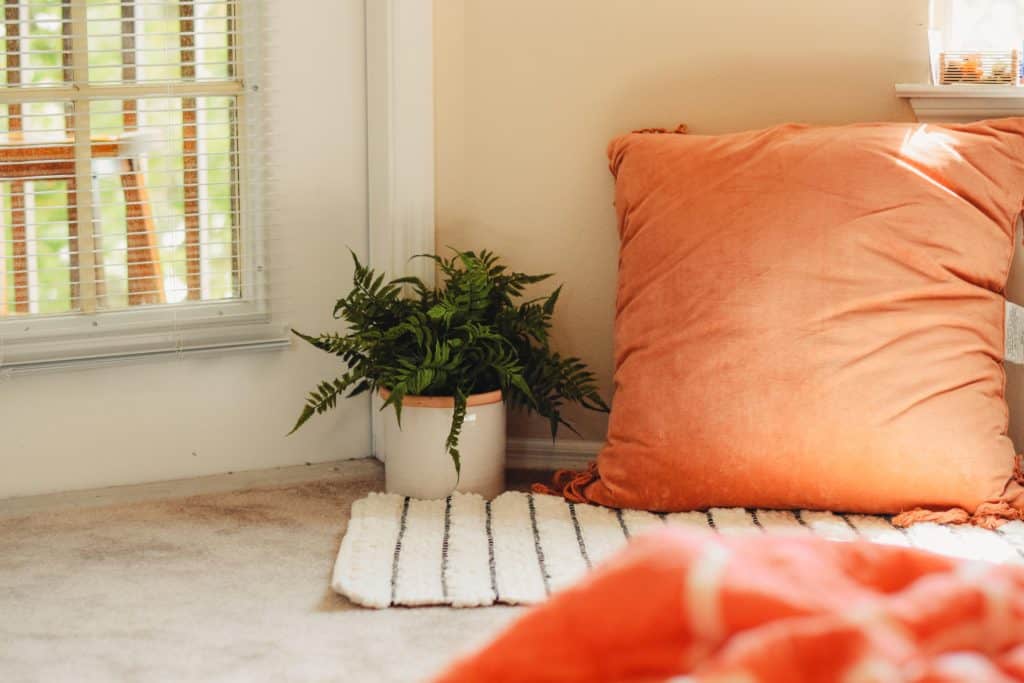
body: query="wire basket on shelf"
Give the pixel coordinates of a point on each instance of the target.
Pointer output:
(992, 67)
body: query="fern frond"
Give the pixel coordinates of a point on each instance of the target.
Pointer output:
(331, 342)
(323, 398)
(452, 442)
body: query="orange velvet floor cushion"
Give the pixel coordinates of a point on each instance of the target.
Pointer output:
(812, 317)
(709, 609)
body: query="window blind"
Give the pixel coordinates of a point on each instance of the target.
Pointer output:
(126, 127)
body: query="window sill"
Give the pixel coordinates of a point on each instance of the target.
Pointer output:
(56, 352)
(962, 103)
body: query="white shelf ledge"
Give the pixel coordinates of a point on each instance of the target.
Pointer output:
(963, 102)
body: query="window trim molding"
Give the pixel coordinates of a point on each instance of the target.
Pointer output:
(400, 135)
(76, 352)
(961, 103)
(400, 143)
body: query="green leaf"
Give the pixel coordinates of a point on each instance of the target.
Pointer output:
(324, 398)
(519, 382)
(395, 399)
(409, 280)
(362, 387)
(549, 305)
(307, 412)
(452, 442)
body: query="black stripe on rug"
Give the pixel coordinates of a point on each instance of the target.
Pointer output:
(492, 565)
(536, 544)
(755, 519)
(850, 524)
(1009, 541)
(903, 531)
(622, 523)
(398, 549)
(444, 546)
(799, 515)
(579, 535)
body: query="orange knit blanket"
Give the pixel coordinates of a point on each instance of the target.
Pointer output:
(766, 609)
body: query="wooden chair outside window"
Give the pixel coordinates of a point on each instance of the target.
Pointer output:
(21, 162)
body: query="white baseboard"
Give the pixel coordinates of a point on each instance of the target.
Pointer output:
(543, 454)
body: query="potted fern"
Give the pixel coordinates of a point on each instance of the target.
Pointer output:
(448, 359)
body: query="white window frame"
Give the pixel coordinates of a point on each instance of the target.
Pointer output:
(37, 342)
(400, 135)
(400, 143)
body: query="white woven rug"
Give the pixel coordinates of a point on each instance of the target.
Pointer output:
(518, 548)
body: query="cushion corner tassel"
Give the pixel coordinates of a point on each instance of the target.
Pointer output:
(570, 484)
(987, 516)
(681, 129)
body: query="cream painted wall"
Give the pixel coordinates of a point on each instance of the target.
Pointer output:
(528, 93)
(202, 415)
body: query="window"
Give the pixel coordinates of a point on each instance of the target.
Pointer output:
(984, 31)
(979, 24)
(122, 160)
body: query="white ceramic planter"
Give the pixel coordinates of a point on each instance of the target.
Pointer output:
(416, 463)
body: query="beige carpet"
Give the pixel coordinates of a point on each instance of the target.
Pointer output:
(218, 587)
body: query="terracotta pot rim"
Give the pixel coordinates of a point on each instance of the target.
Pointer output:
(446, 401)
